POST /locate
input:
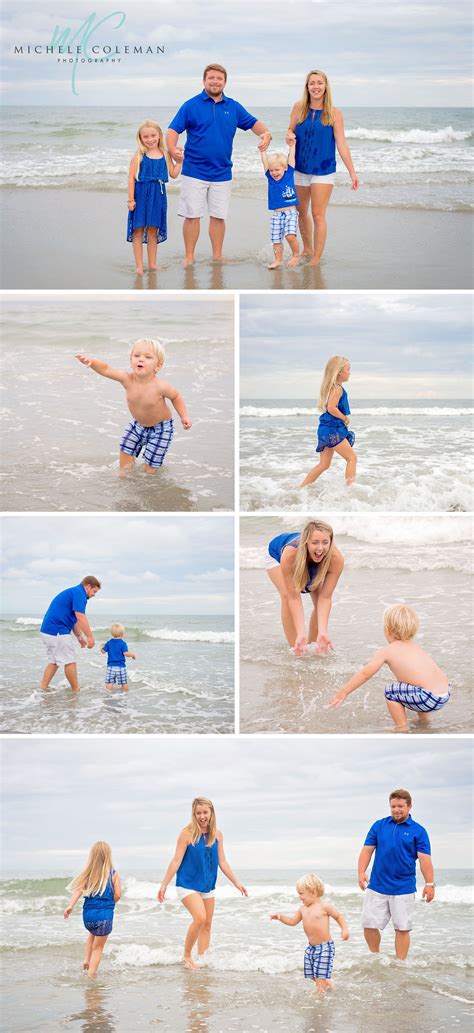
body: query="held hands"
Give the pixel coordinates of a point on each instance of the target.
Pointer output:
(177, 155)
(290, 138)
(186, 423)
(264, 141)
(428, 893)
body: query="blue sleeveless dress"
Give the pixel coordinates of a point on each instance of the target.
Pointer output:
(276, 546)
(315, 153)
(98, 910)
(150, 198)
(332, 431)
(198, 869)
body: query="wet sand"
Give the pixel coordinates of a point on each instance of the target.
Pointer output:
(76, 240)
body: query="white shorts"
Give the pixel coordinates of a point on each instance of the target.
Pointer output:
(199, 196)
(379, 908)
(60, 649)
(182, 892)
(304, 179)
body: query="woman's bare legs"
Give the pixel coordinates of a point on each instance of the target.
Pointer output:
(324, 464)
(277, 579)
(320, 195)
(204, 937)
(304, 219)
(195, 905)
(96, 953)
(345, 450)
(152, 246)
(137, 245)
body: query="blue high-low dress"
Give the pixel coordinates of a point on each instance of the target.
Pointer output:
(332, 431)
(150, 199)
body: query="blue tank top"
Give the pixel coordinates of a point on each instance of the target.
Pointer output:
(278, 544)
(343, 403)
(198, 869)
(281, 192)
(152, 169)
(315, 146)
(101, 902)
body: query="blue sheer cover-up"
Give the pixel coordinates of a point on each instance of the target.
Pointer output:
(98, 910)
(332, 431)
(150, 199)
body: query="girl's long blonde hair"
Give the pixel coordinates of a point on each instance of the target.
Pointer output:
(195, 829)
(327, 114)
(95, 876)
(301, 568)
(334, 366)
(141, 150)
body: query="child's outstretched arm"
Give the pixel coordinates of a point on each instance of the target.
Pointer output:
(291, 153)
(361, 677)
(102, 648)
(286, 919)
(74, 899)
(331, 911)
(263, 155)
(177, 401)
(104, 369)
(131, 655)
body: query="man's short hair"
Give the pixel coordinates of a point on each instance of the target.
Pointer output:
(91, 581)
(401, 794)
(215, 68)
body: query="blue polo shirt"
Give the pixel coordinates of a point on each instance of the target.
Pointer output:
(210, 129)
(60, 617)
(115, 648)
(397, 847)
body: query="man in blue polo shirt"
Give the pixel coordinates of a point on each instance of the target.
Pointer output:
(67, 613)
(398, 842)
(210, 120)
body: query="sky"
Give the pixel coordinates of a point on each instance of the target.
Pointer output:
(158, 564)
(283, 802)
(401, 345)
(395, 53)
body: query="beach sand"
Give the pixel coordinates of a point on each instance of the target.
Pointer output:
(76, 240)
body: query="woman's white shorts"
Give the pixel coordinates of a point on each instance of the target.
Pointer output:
(182, 892)
(303, 179)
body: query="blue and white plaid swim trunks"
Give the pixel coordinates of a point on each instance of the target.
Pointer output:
(156, 441)
(319, 960)
(284, 223)
(414, 697)
(116, 676)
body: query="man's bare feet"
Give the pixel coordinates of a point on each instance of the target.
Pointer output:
(189, 963)
(293, 261)
(188, 261)
(274, 265)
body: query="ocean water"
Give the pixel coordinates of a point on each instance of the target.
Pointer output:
(253, 979)
(62, 423)
(424, 561)
(181, 682)
(413, 455)
(406, 157)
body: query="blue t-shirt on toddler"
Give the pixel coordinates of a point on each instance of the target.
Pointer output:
(281, 192)
(115, 648)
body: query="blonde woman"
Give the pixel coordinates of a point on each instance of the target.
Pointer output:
(333, 430)
(100, 886)
(317, 128)
(198, 856)
(307, 562)
(147, 203)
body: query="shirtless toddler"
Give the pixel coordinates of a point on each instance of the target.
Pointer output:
(421, 685)
(315, 915)
(152, 426)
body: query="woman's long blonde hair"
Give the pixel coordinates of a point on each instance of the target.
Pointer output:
(301, 568)
(334, 366)
(95, 876)
(327, 114)
(195, 829)
(141, 150)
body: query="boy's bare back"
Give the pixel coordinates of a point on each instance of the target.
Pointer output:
(411, 664)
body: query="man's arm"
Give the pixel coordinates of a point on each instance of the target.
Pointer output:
(427, 872)
(85, 627)
(177, 153)
(361, 677)
(261, 130)
(362, 865)
(104, 369)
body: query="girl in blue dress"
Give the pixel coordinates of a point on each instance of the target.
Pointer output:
(100, 886)
(333, 430)
(198, 855)
(147, 203)
(317, 128)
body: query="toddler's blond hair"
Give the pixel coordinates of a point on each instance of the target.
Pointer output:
(156, 347)
(283, 158)
(310, 884)
(400, 622)
(117, 630)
